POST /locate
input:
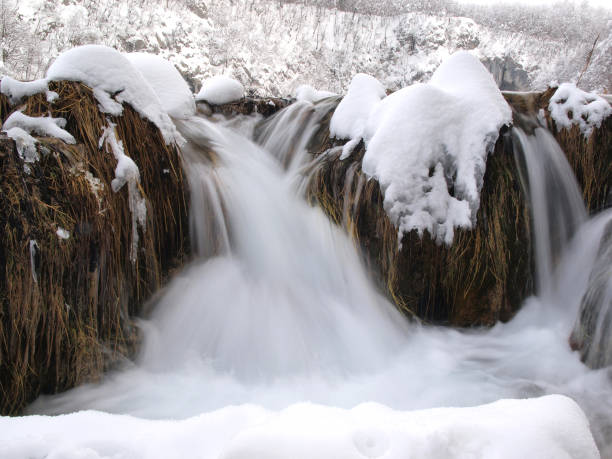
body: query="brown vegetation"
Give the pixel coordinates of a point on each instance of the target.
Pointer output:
(66, 313)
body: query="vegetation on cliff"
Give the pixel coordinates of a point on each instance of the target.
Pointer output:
(68, 288)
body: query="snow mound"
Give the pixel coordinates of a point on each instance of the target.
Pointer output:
(44, 126)
(427, 144)
(114, 80)
(221, 90)
(548, 427)
(351, 115)
(570, 105)
(309, 94)
(174, 94)
(17, 90)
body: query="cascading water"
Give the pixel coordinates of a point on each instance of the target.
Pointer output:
(278, 309)
(556, 202)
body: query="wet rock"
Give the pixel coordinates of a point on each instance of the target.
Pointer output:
(245, 106)
(592, 334)
(509, 75)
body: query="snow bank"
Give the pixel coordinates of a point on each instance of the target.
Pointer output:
(570, 105)
(17, 90)
(427, 144)
(309, 94)
(114, 80)
(221, 90)
(174, 94)
(548, 427)
(48, 126)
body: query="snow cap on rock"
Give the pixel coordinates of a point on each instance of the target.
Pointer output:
(114, 80)
(352, 113)
(221, 90)
(174, 94)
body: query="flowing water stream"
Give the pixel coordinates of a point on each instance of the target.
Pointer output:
(278, 308)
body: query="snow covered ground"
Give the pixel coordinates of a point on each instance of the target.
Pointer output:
(550, 427)
(274, 47)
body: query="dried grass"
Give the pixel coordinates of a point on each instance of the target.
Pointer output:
(74, 321)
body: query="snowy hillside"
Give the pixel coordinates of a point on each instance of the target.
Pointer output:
(273, 46)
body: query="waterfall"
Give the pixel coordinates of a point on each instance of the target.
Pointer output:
(278, 308)
(288, 296)
(573, 253)
(557, 207)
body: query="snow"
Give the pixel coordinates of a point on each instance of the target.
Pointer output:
(62, 233)
(309, 94)
(221, 90)
(427, 144)
(547, 427)
(127, 171)
(570, 105)
(17, 90)
(26, 144)
(174, 94)
(44, 126)
(114, 80)
(352, 113)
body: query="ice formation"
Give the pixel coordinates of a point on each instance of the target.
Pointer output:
(127, 171)
(26, 144)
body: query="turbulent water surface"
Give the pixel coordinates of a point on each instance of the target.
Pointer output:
(278, 307)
